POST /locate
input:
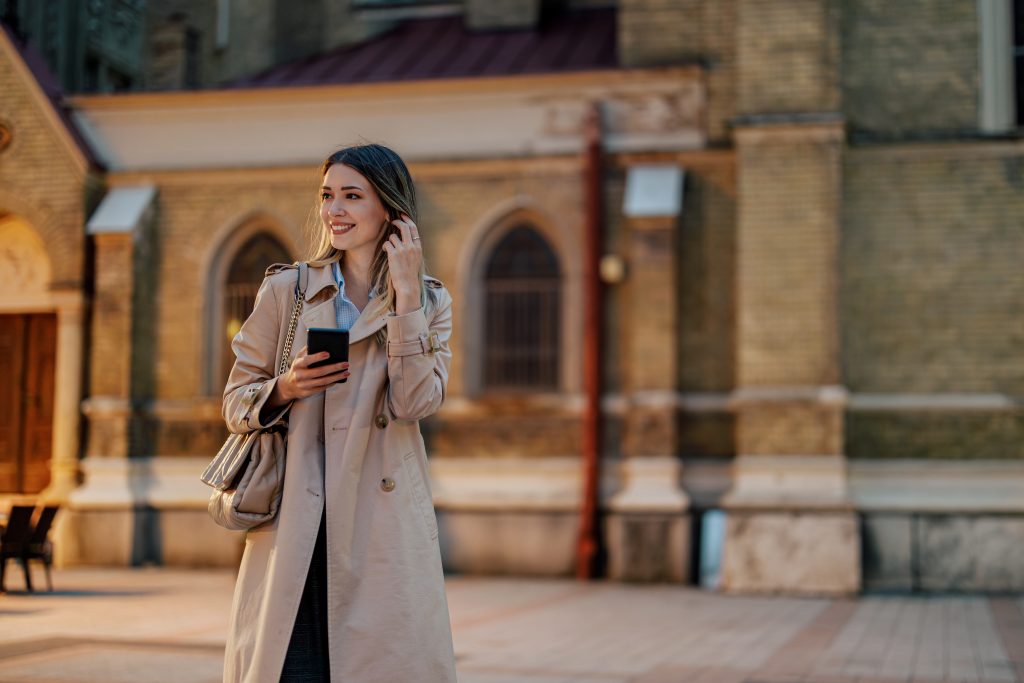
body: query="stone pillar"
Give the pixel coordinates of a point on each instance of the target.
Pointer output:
(652, 33)
(648, 528)
(172, 52)
(98, 527)
(790, 524)
(106, 521)
(64, 466)
(109, 405)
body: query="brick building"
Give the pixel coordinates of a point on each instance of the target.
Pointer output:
(813, 301)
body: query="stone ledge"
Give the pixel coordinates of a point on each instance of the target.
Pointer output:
(927, 486)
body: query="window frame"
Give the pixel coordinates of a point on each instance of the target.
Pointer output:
(997, 46)
(220, 257)
(544, 383)
(474, 255)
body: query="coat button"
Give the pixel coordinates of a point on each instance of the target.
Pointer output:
(381, 420)
(387, 484)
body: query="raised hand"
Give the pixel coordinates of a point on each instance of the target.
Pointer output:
(404, 258)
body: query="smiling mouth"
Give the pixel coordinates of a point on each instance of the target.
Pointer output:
(341, 229)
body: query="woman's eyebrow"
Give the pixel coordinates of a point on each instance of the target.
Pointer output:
(347, 187)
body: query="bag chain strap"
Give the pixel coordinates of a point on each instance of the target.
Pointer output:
(290, 337)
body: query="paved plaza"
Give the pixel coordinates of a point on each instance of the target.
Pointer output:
(168, 626)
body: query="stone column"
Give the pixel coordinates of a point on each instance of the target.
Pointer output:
(172, 62)
(648, 527)
(98, 526)
(109, 405)
(64, 466)
(106, 520)
(790, 524)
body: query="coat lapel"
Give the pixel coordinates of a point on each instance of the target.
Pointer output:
(322, 314)
(365, 325)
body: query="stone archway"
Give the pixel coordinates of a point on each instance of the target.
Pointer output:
(25, 266)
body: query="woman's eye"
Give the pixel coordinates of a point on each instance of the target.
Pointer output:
(352, 196)
(324, 195)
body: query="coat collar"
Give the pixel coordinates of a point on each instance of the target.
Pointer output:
(320, 278)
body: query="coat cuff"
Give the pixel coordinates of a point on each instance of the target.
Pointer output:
(409, 334)
(255, 398)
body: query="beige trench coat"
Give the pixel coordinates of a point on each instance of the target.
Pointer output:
(358, 450)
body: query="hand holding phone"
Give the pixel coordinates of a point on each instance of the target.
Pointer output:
(328, 339)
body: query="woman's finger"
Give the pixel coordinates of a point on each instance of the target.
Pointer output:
(396, 240)
(404, 229)
(305, 361)
(412, 231)
(316, 384)
(314, 373)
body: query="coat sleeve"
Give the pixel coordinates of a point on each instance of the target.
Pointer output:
(252, 376)
(419, 359)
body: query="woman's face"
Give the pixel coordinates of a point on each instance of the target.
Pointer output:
(351, 210)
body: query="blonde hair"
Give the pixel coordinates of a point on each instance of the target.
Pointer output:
(390, 179)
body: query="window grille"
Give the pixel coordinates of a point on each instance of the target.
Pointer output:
(522, 300)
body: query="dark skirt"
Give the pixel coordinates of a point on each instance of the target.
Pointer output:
(307, 657)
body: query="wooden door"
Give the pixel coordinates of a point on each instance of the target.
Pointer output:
(28, 354)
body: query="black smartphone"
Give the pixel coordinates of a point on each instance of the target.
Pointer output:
(327, 339)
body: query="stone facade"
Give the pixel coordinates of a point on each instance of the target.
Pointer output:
(787, 57)
(931, 287)
(838, 292)
(48, 186)
(899, 83)
(43, 178)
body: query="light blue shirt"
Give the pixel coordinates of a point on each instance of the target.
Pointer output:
(345, 312)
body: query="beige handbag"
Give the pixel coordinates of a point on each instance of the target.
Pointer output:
(247, 474)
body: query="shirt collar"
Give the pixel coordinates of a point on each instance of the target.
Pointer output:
(338, 277)
(340, 280)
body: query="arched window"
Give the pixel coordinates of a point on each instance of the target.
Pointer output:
(241, 283)
(522, 304)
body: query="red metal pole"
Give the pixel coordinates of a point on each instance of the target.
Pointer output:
(591, 439)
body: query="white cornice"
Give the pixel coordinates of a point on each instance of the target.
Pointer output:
(645, 110)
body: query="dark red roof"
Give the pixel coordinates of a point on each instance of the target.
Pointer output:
(33, 59)
(581, 40)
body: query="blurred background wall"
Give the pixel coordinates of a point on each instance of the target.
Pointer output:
(811, 219)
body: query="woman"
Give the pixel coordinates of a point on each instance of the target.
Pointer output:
(345, 583)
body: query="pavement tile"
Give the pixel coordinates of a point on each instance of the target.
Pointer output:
(509, 630)
(1008, 619)
(798, 656)
(92, 663)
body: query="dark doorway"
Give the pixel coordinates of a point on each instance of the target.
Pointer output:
(28, 355)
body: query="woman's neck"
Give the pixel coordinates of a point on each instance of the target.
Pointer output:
(355, 268)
